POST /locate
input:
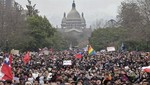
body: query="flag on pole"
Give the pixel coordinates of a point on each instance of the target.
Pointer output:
(26, 58)
(122, 47)
(91, 50)
(5, 70)
(10, 59)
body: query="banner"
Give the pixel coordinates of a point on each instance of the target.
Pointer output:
(14, 52)
(110, 49)
(67, 62)
(32, 53)
(46, 52)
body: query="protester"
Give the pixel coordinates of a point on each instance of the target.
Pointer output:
(104, 68)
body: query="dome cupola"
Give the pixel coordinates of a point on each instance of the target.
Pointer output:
(73, 14)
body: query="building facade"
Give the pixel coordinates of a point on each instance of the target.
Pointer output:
(7, 3)
(73, 27)
(73, 20)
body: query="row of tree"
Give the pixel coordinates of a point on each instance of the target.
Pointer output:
(26, 30)
(133, 23)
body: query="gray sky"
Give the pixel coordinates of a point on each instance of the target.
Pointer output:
(93, 9)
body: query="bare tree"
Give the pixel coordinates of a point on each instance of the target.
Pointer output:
(144, 6)
(129, 15)
(12, 25)
(99, 23)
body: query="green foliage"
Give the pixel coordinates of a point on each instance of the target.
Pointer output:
(27, 31)
(40, 30)
(102, 38)
(137, 45)
(58, 42)
(42, 34)
(135, 32)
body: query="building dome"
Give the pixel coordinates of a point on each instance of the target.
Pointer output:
(73, 14)
(73, 20)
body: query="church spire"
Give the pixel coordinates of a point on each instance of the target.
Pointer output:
(73, 5)
(64, 14)
(82, 14)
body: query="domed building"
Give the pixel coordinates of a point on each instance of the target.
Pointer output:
(73, 20)
(73, 27)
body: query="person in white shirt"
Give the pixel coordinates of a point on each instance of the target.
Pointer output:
(30, 78)
(35, 74)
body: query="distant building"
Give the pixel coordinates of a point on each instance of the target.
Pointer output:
(111, 24)
(73, 27)
(9, 6)
(73, 20)
(7, 3)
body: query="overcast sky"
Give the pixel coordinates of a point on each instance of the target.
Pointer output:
(93, 9)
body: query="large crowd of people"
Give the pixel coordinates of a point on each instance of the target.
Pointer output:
(104, 68)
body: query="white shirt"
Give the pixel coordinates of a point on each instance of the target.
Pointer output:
(31, 79)
(35, 75)
(41, 79)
